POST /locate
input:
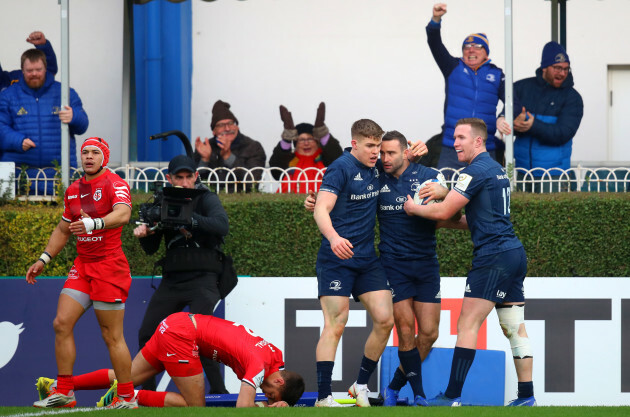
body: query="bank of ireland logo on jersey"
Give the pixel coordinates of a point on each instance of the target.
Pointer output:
(370, 187)
(335, 285)
(98, 194)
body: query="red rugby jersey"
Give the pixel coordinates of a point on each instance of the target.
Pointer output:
(97, 198)
(251, 357)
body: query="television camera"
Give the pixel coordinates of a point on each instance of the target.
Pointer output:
(172, 207)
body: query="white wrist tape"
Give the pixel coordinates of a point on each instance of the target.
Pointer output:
(45, 258)
(93, 224)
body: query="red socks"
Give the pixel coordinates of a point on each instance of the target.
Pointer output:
(125, 391)
(151, 398)
(93, 380)
(64, 384)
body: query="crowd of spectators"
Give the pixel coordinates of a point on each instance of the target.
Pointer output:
(550, 112)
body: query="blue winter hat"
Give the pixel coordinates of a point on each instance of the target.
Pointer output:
(553, 53)
(478, 38)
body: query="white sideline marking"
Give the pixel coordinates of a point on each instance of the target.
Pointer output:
(43, 413)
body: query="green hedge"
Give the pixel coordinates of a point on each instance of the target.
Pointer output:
(577, 234)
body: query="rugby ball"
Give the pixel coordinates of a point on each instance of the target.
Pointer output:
(440, 179)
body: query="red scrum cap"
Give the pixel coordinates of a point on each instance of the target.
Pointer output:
(100, 144)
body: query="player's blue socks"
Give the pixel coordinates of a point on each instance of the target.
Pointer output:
(367, 367)
(324, 379)
(462, 361)
(525, 389)
(412, 364)
(398, 381)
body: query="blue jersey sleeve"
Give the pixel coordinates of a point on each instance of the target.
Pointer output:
(334, 179)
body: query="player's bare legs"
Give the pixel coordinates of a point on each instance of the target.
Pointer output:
(111, 322)
(68, 313)
(428, 316)
(336, 310)
(523, 366)
(412, 349)
(62, 395)
(192, 389)
(405, 321)
(474, 312)
(142, 370)
(379, 305)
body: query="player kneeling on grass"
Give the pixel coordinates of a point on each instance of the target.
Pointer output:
(176, 347)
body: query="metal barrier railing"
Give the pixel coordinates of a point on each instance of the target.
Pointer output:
(42, 183)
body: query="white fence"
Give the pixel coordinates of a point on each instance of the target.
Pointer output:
(42, 182)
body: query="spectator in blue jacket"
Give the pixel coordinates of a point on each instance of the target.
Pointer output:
(39, 40)
(473, 87)
(30, 112)
(551, 116)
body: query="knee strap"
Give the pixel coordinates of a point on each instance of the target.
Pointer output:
(510, 319)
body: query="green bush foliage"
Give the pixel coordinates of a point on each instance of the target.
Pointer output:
(577, 234)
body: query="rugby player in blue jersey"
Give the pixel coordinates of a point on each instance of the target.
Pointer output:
(407, 252)
(499, 263)
(408, 256)
(347, 263)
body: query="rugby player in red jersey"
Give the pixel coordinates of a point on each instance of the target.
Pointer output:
(176, 347)
(96, 207)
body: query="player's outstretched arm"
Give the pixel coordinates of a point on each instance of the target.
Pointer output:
(58, 239)
(458, 221)
(445, 210)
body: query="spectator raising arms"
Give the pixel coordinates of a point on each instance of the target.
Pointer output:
(30, 116)
(39, 41)
(303, 146)
(473, 86)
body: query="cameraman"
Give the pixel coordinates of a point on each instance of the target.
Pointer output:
(191, 265)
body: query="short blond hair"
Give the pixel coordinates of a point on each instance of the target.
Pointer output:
(366, 128)
(477, 127)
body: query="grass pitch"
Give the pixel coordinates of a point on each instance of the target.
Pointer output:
(343, 412)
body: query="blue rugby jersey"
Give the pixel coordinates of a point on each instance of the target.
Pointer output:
(485, 183)
(354, 214)
(403, 236)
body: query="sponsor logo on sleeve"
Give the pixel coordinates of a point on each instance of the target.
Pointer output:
(463, 182)
(121, 190)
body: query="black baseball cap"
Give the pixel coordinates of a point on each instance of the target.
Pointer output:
(181, 163)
